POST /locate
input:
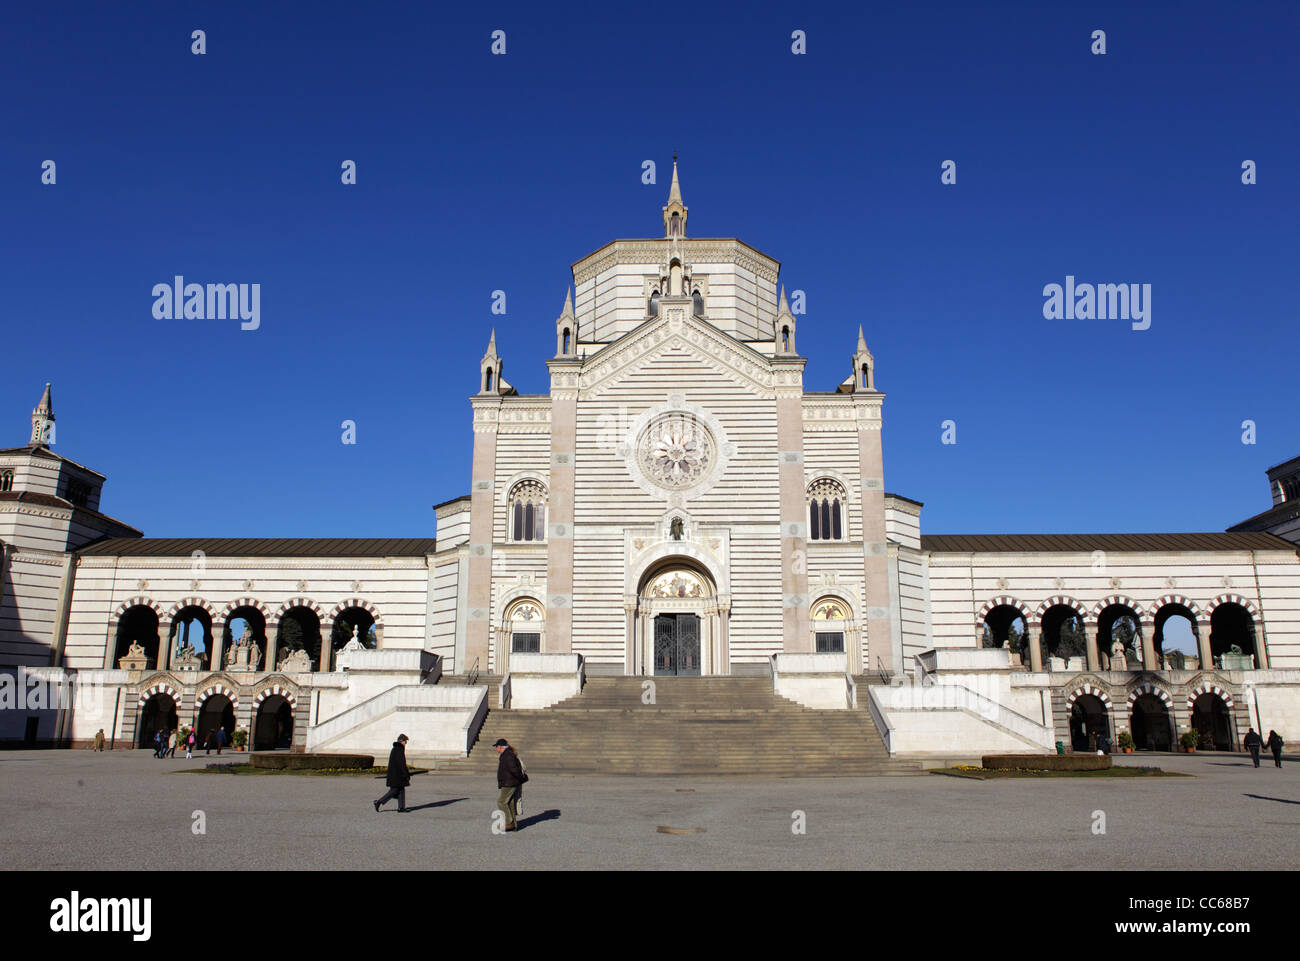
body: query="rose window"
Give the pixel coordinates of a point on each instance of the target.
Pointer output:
(676, 451)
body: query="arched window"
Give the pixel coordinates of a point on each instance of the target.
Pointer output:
(654, 304)
(697, 304)
(525, 622)
(830, 617)
(6, 480)
(785, 339)
(863, 385)
(487, 380)
(675, 225)
(527, 511)
(826, 502)
(566, 340)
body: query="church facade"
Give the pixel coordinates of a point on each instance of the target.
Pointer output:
(679, 503)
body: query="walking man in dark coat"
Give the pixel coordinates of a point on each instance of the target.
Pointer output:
(398, 776)
(1274, 743)
(510, 778)
(1252, 743)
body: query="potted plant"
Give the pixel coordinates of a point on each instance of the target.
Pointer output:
(239, 739)
(1189, 740)
(1125, 742)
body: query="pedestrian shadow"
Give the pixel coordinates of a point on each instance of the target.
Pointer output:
(1230, 764)
(436, 804)
(551, 815)
(1279, 800)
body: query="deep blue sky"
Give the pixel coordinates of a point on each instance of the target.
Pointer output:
(479, 172)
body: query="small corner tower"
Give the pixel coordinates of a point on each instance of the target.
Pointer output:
(566, 329)
(675, 210)
(864, 365)
(490, 367)
(784, 328)
(43, 421)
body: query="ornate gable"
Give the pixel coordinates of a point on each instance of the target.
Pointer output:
(677, 331)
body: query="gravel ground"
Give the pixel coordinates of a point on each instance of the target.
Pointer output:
(126, 810)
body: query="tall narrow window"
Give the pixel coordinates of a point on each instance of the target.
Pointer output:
(697, 304)
(785, 340)
(566, 340)
(6, 480)
(654, 304)
(487, 380)
(527, 505)
(826, 501)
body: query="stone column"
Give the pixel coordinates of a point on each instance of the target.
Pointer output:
(1203, 644)
(271, 646)
(1035, 645)
(1149, 661)
(559, 514)
(794, 510)
(724, 636)
(478, 625)
(326, 647)
(879, 615)
(630, 665)
(216, 647)
(164, 645)
(1091, 639)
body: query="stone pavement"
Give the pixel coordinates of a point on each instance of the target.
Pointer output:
(125, 810)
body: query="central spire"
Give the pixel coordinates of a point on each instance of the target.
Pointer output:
(675, 210)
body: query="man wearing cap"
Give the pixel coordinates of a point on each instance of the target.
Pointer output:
(398, 776)
(510, 778)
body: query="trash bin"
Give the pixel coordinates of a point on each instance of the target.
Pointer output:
(1060, 747)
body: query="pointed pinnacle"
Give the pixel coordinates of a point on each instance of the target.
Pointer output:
(862, 341)
(783, 307)
(568, 302)
(675, 191)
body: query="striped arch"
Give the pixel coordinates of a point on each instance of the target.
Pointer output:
(1121, 599)
(1232, 599)
(213, 689)
(1001, 601)
(361, 603)
(1149, 689)
(1205, 687)
(1061, 600)
(308, 603)
(1175, 599)
(192, 602)
(247, 602)
(273, 690)
(140, 601)
(160, 688)
(1088, 689)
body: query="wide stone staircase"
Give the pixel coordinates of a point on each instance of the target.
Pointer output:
(696, 725)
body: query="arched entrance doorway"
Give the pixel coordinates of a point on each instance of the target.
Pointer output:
(299, 631)
(273, 728)
(1151, 724)
(1210, 719)
(158, 714)
(677, 624)
(217, 712)
(1089, 723)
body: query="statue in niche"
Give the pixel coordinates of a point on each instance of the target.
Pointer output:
(676, 529)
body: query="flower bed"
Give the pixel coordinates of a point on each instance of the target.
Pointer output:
(311, 762)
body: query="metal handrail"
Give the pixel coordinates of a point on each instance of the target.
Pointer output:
(880, 669)
(472, 676)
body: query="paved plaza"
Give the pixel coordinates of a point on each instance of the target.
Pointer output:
(69, 810)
